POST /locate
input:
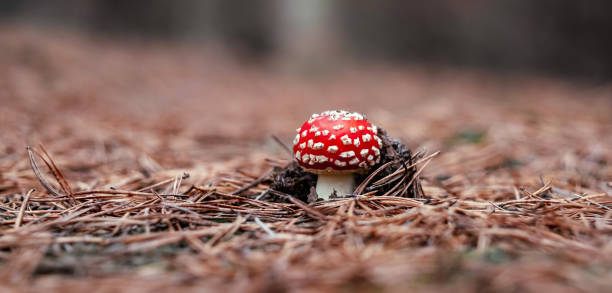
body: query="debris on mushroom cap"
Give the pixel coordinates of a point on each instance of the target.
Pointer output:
(357, 148)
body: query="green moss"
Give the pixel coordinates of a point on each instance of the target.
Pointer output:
(471, 136)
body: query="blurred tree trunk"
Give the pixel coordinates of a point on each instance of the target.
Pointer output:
(305, 35)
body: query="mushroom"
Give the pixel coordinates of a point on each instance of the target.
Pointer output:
(335, 145)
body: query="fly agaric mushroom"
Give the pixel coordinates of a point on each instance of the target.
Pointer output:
(335, 145)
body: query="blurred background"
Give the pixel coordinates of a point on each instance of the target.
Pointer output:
(187, 79)
(554, 37)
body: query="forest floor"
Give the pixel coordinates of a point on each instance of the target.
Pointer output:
(147, 145)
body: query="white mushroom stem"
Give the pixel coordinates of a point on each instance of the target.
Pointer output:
(343, 184)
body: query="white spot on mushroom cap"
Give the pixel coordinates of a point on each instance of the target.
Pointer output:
(366, 137)
(354, 161)
(296, 139)
(305, 158)
(338, 126)
(363, 165)
(332, 149)
(318, 146)
(317, 133)
(298, 156)
(378, 140)
(353, 130)
(298, 130)
(335, 114)
(355, 116)
(310, 143)
(347, 154)
(331, 137)
(360, 127)
(376, 150)
(302, 145)
(321, 159)
(372, 163)
(356, 142)
(325, 132)
(313, 128)
(370, 158)
(364, 152)
(313, 118)
(332, 116)
(304, 133)
(346, 140)
(313, 159)
(339, 163)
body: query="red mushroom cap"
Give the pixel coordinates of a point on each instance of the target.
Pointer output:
(337, 142)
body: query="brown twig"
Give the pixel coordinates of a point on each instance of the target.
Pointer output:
(24, 204)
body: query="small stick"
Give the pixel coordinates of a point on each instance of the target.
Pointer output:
(261, 195)
(24, 204)
(111, 191)
(517, 196)
(120, 224)
(158, 184)
(176, 185)
(495, 206)
(593, 202)
(180, 208)
(264, 227)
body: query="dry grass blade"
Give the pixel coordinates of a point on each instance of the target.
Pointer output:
(59, 176)
(403, 169)
(41, 179)
(364, 183)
